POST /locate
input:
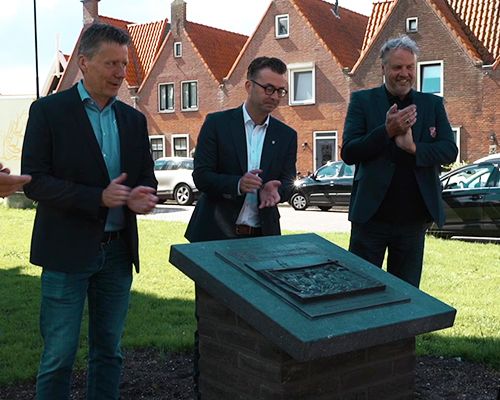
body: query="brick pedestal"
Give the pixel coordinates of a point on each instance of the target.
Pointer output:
(237, 362)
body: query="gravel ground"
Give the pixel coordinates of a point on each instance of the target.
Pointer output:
(152, 375)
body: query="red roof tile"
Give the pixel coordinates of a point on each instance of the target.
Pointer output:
(483, 19)
(146, 40)
(381, 10)
(343, 36)
(218, 48)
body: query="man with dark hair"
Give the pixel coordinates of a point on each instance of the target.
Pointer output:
(245, 162)
(92, 172)
(398, 154)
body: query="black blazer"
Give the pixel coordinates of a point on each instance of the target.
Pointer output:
(62, 155)
(366, 144)
(221, 160)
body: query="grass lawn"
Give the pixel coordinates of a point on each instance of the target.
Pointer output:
(464, 275)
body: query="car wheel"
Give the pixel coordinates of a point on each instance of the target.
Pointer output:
(324, 208)
(183, 195)
(298, 202)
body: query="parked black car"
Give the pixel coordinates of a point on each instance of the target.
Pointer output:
(471, 197)
(329, 186)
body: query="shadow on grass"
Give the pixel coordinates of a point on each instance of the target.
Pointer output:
(482, 350)
(164, 323)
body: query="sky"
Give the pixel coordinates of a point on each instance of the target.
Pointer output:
(59, 22)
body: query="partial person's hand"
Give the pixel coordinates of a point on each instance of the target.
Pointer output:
(116, 194)
(269, 195)
(10, 184)
(398, 121)
(142, 199)
(405, 142)
(251, 181)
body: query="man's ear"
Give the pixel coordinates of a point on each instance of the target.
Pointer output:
(82, 63)
(248, 86)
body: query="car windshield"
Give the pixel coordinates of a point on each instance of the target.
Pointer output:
(476, 176)
(328, 171)
(169, 165)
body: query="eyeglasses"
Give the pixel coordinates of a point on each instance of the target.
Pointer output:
(270, 89)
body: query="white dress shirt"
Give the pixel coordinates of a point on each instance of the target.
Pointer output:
(255, 135)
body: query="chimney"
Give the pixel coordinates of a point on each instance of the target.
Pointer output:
(177, 16)
(90, 11)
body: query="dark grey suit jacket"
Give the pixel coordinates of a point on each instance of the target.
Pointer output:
(221, 160)
(62, 155)
(366, 144)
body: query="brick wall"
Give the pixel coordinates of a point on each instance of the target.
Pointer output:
(237, 362)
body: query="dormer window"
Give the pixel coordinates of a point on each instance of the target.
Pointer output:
(177, 49)
(282, 26)
(412, 25)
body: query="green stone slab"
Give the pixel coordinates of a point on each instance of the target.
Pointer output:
(376, 308)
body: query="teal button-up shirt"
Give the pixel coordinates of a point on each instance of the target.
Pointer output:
(106, 132)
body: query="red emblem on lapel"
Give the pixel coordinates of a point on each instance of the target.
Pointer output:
(432, 131)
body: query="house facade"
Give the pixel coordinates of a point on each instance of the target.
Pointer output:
(181, 71)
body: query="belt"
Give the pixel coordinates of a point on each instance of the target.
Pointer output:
(110, 236)
(246, 230)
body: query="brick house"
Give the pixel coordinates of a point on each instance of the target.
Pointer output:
(183, 84)
(178, 73)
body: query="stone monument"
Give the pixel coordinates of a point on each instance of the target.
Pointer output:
(297, 317)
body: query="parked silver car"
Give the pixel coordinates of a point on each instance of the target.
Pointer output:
(175, 180)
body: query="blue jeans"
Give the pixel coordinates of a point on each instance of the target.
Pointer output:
(106, 285)
(404, 244)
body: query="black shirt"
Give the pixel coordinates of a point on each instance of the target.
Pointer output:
(403, 202)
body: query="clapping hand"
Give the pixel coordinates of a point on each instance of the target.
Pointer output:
(269, 195)
(251, 181)
(142, 199)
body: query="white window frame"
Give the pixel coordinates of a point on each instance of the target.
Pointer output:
(301, 67)
(457, 130)
(166, 110)
(318, 135)
(183, 108)
(180, 136)
(408, 25)
(422, 64)
(177, 49)
(162, 137)
(276, 26)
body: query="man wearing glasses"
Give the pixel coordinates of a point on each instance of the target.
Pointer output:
(244, 163)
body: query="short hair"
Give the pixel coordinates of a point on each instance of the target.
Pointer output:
(260, 63)
(402, 42)
(96, 34)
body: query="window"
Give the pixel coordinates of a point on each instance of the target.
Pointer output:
(157, 143)
(412, 25)
(281, 26)
(302, 84)
(166, 97)
(325, 148)
(177, 49)
(180, 145)
(430, 77)
(472, 177)
(190, 96)
(456, 135)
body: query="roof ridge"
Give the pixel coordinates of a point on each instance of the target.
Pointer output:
(218, 29)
